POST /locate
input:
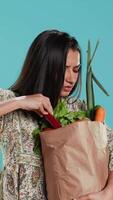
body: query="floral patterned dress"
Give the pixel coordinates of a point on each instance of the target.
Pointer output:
(21, 171)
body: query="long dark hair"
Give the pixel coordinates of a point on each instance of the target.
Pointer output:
(44, 67)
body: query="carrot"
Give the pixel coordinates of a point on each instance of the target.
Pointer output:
(100, 114)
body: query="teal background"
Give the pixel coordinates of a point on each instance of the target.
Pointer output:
(21, 21)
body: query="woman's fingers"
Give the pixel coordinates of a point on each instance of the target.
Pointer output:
(37, 102)
(47, 108)
(43, 110)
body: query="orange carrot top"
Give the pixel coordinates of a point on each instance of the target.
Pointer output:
(100, 114)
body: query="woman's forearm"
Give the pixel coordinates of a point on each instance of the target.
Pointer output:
(9, 106)
(35, 102)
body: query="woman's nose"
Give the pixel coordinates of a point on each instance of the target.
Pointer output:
(71, 76)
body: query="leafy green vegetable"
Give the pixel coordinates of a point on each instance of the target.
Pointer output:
(63, 115)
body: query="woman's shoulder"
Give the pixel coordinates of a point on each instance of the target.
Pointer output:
(6, 94)
(76, 105)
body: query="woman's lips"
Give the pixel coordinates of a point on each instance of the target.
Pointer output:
(67, 88)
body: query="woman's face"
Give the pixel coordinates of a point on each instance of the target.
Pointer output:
(71, 73)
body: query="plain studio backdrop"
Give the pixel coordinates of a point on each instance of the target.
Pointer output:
(21, 21)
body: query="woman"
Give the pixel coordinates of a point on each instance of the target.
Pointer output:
(52, 69)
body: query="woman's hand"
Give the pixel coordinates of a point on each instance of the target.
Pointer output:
(37, 102)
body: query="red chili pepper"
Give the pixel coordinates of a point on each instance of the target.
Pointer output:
(52, 120)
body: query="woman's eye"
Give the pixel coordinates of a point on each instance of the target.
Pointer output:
(76, 69)
(67, 66)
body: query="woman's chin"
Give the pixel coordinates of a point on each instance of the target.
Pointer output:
(64, 93)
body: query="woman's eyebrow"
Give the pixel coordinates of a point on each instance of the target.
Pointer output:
(77, 66)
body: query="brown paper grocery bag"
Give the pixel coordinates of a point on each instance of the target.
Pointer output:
(75, 159)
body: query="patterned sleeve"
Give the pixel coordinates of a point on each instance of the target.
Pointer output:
(76, 105)
(110, 146)
(4, 96)
(1, 133)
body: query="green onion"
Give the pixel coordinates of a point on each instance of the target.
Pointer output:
(90, 77)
